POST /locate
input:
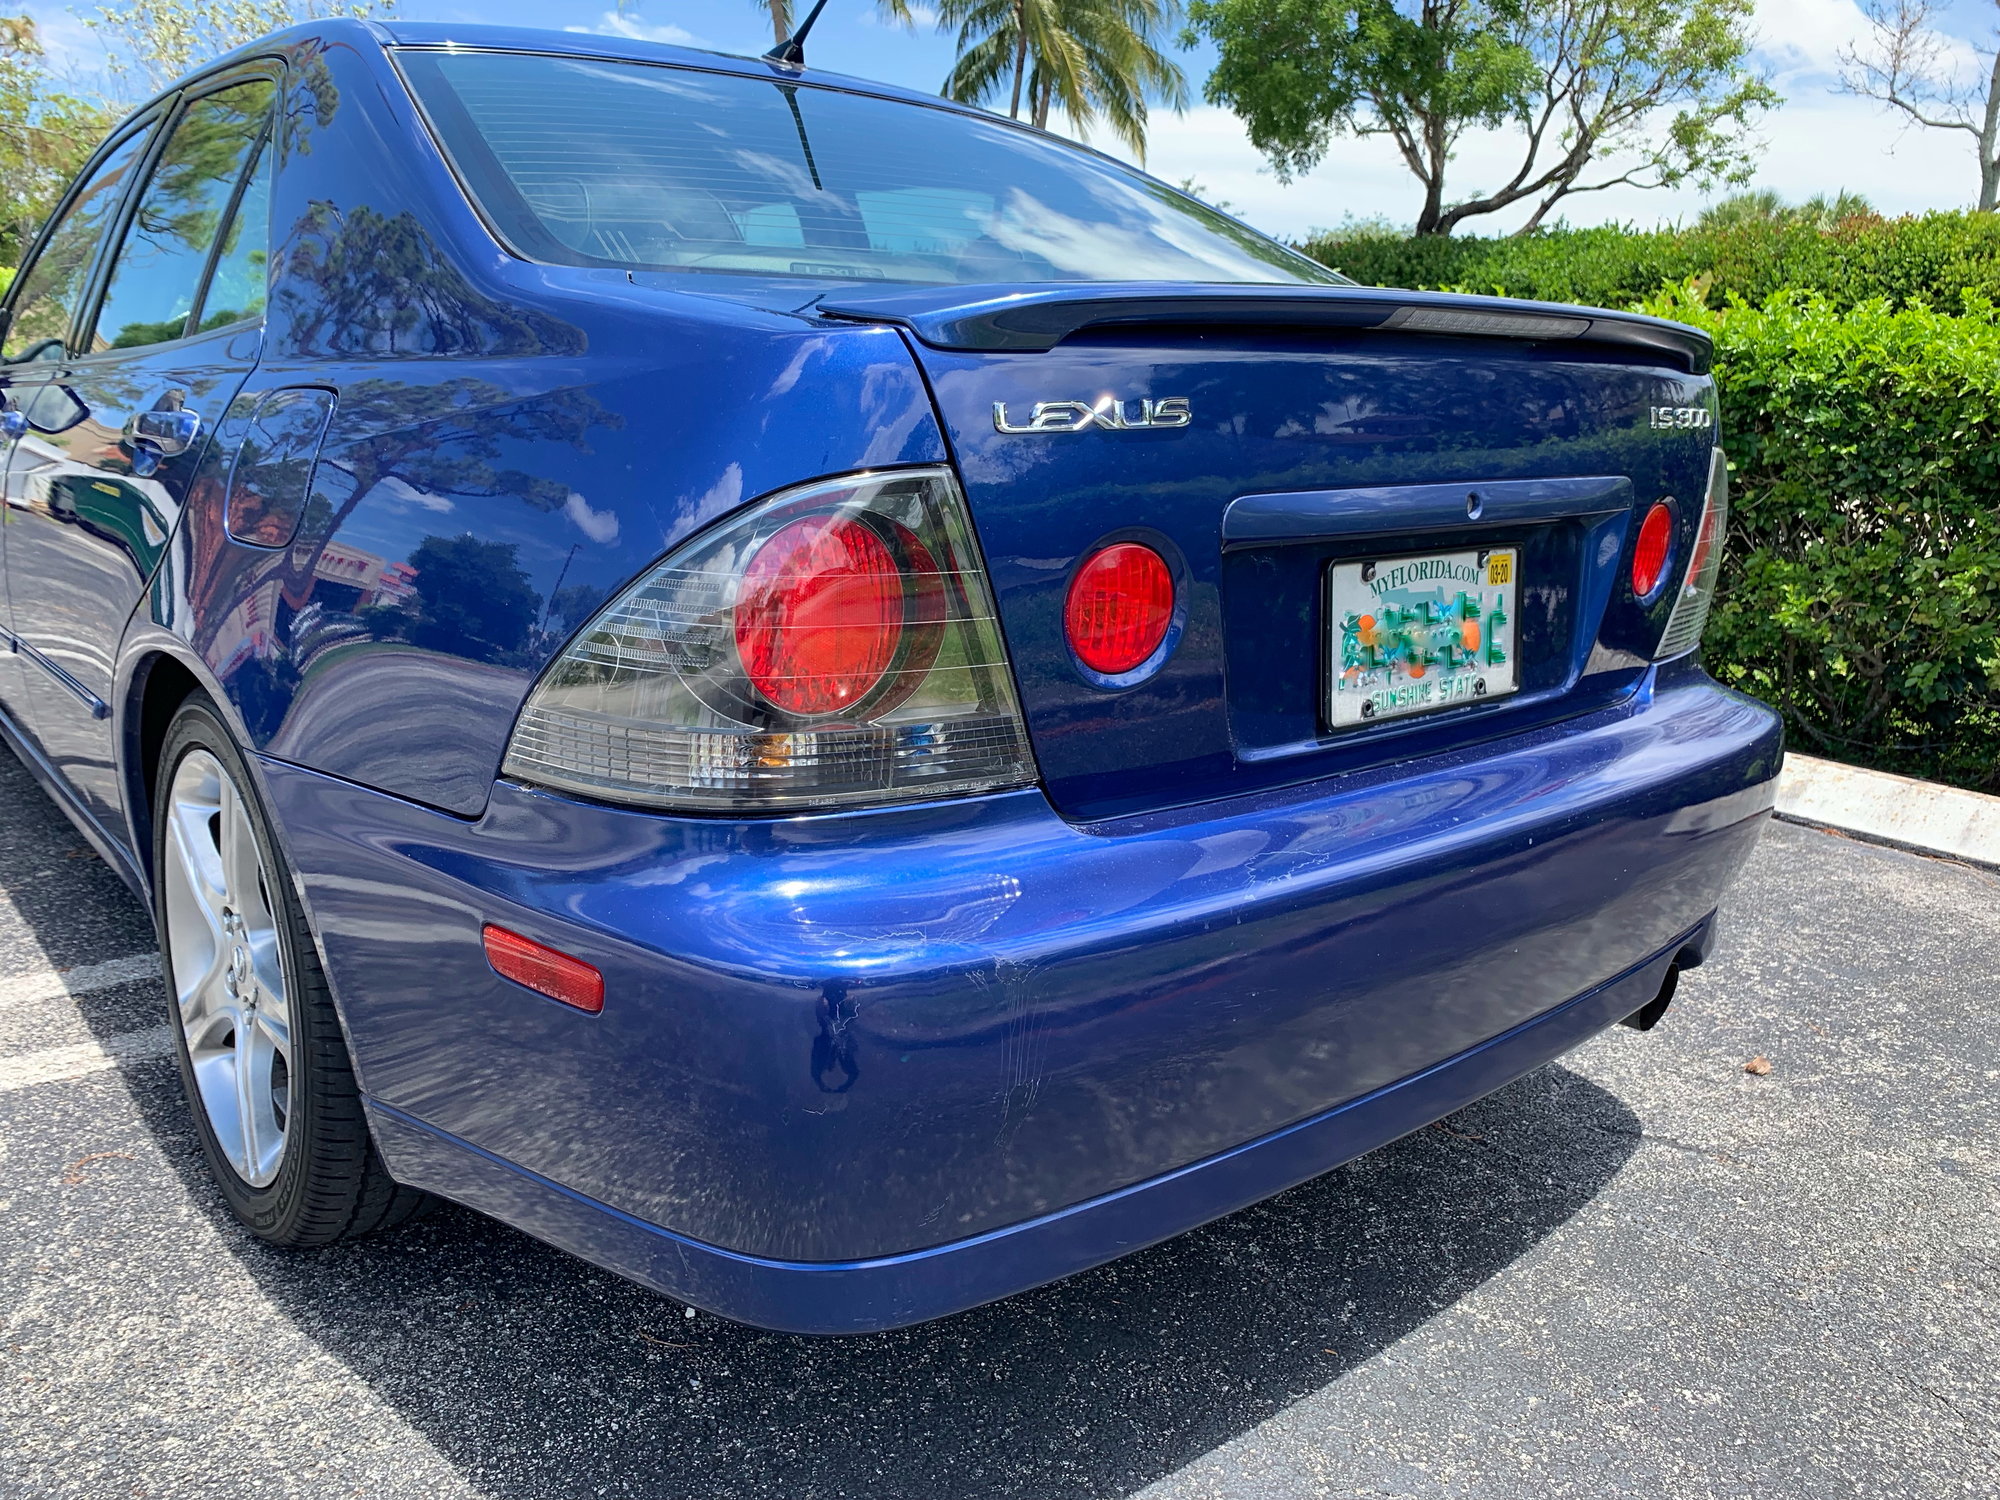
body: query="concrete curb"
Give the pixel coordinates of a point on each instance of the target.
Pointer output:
(1898, 810)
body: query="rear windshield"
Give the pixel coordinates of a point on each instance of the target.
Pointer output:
(589, 162)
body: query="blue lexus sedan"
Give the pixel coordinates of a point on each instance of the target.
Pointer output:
(823, 699)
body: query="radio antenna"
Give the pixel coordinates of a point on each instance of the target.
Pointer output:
(791, 52)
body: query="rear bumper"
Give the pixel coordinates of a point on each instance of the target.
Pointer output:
(863, 1296)
(862, 1070)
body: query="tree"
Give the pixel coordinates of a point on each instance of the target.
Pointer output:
(1907, 63)
(472, 598)
(1767, 206)
(1094, 58)
(781, 17)
(782, 14)
(1604, 93)
(167, 37)
(45, 136)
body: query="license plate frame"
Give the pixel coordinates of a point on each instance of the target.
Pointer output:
(1416, 633)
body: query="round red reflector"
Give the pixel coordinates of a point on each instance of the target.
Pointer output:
(1120, 605)
(1649, 558)
(819, 615)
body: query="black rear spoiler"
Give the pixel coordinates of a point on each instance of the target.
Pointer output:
(1013, 319)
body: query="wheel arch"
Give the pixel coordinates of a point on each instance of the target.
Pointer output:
(161, 671)
(160, 682)
(162, 674)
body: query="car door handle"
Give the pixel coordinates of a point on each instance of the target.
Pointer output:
(157, 435)
(168, 433)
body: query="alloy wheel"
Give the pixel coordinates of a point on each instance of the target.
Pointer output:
(228, 966)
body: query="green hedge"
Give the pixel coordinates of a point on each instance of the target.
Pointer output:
(1930, 259)
(1861, 588)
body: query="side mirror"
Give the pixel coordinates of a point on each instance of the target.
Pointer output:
(43, 351)
(52, 408)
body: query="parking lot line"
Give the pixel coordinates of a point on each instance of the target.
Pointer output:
(81, 1059)
(52, 984)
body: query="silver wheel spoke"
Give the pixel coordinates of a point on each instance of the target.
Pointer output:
(275, 1027)
(196, 896)
(215, 1081)
(207, 1012)
(267, 964)
(257, 1062)
(242, 868)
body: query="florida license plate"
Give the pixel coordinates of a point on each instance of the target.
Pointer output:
(1416, 634)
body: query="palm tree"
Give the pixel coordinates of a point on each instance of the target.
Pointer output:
(781, 14)
(1095, 58)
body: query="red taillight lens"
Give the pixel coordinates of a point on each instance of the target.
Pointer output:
(543, 969)
(835, 644)
(820, 614)
(1698, 567)
(1649, 558)
(1120, 605)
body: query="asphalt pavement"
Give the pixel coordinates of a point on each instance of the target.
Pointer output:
(1641, 1271)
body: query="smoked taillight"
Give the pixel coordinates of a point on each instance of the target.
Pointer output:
(1704, 565)
(833, 645)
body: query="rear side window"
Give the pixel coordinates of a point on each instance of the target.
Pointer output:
(181, 217)
(593, 162)
(241, 279)
(49, 290)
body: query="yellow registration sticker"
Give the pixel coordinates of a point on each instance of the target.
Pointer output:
(1500, 568)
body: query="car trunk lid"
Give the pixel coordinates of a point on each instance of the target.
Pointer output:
(1260, 437)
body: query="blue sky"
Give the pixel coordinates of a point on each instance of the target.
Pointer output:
(1818, 142)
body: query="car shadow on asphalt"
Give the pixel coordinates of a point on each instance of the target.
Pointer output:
(535, 1375)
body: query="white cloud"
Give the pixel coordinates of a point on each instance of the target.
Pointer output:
(1807, 37)
(401, 489)
(724, 493)
(1803, 43)
(600, 526)
(617, 23)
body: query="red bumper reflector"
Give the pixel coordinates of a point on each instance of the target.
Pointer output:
(1649, 556)
(1120, 604)
(543, 969)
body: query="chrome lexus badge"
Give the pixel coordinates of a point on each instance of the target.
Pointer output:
(1106, 412)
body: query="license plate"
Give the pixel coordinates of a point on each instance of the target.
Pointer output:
(1415, 634)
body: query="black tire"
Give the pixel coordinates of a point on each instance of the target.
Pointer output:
(330, 1181)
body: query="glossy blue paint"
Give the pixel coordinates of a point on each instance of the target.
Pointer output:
(1035, 319)
(863, 1296)
(271, 466)
(88, 530)
(1324, 422)
(848, 1036)
(858, 1069)
(1406, 509)
(510, 444)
